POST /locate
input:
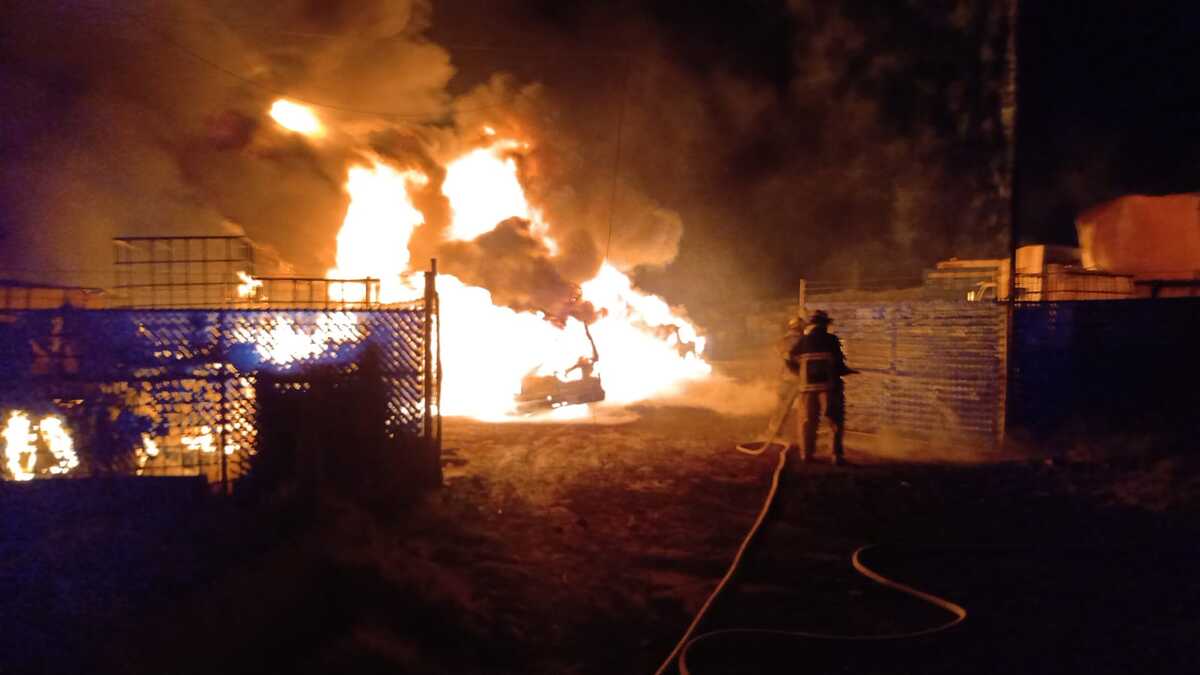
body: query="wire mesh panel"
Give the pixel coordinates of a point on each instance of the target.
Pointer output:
(189, 272)
(929, 371)
(175, 392)
(311, 293)
(1104, 368)
(17, 296)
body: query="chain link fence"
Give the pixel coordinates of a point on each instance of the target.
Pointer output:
(178, 391)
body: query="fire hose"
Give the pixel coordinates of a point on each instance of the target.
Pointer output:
(685, 643)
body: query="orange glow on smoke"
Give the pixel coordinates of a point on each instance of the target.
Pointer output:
(295, 117)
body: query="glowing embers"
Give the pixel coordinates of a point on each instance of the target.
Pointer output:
(21, 446)
(296, 117)
(201, 440)
(197, 425)
(204, 439)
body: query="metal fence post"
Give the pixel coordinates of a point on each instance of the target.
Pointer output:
(222, 416)
(433, 438)
(428, 353)
(437, 313)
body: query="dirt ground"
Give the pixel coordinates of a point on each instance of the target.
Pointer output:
(587, 547)
(619, 533)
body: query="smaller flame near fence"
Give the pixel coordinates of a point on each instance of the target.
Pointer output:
(248, 287)
(21, 445)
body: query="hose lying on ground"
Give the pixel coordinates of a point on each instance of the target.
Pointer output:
(686, 642)
(783, 408)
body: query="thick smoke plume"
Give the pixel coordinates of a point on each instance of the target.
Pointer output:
(823, 140)
(147, 118)
(150, 118)
(518, 269)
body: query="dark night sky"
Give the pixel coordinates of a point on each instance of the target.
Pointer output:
(1108, 106)
(830, 140)
(1111, 107)
(785, 134)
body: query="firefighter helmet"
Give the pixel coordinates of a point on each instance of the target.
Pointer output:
(820, 318)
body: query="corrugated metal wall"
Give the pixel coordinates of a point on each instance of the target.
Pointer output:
(1097, 367)
(937, 372)
(932, 372)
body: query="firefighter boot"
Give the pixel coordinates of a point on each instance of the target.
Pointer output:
(839, 451)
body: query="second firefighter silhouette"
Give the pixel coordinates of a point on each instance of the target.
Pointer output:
(817, 360)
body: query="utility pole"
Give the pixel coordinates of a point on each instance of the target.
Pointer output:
(1010, 116)
(432, 372)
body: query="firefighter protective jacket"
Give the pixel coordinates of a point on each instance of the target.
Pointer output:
(818, 341)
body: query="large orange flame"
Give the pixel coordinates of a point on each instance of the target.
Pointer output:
(650, 350)
(646, 348)
(483, 189)
(373, 241)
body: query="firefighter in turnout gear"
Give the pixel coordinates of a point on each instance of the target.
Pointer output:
(787, 393)
(817, 360)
